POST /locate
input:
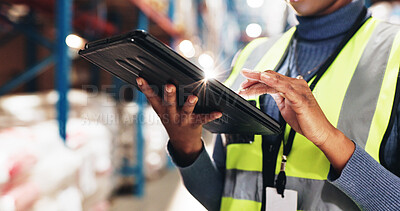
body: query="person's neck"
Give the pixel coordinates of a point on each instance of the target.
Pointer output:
(328, 26)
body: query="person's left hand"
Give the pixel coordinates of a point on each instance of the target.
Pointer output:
(295, 101)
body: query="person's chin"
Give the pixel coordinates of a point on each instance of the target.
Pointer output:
(305, 11)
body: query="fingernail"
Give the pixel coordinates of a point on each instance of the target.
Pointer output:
(168, 89)
(139, 81)
(242, 90)
(192, 99)
(217, 115)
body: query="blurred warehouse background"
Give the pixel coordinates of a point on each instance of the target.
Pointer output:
(72, 137)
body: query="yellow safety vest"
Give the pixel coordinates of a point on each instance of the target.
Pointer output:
(356, 93)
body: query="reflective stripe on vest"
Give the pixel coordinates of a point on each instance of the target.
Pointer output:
(257, 49)
(241, 60)
(247, 170)
(356, 94)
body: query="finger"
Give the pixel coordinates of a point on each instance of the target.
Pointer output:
(250, 74)
(256, 90)
(294, 90)
(170, 101)
(200, 119)
(279, 81)
(247, 83)
(280, 101)
(151, 96)
(188, 108)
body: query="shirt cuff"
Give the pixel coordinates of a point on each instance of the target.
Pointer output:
(177, 162)
(367, 183)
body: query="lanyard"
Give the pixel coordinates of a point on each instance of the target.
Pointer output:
(280, 182)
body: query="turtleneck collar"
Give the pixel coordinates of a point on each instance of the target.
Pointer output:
(315, 28)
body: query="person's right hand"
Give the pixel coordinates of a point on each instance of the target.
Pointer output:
(182, 125)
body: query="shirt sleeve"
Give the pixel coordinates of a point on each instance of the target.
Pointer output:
(202, 179)
(367, 183)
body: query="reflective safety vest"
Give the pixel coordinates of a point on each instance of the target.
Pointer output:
(357, 95)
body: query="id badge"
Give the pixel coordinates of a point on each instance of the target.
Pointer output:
(275, 201)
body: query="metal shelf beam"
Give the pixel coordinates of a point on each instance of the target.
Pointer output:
(64, 16)
(27, 75)
(141, 102)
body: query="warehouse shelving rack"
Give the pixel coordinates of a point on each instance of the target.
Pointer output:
(59, 57)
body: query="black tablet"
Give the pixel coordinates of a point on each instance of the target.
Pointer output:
(138, 54)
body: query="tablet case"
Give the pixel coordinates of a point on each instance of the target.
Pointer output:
(137, 53)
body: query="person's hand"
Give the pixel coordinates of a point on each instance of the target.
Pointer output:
(183, 126)
(301, 111)
(295, 101)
